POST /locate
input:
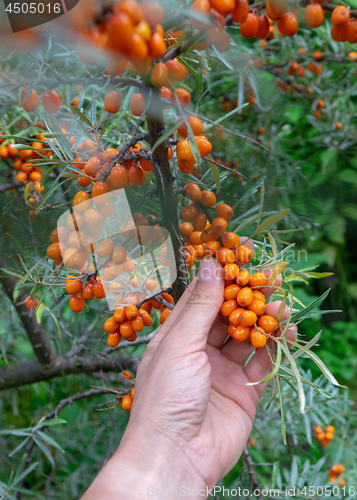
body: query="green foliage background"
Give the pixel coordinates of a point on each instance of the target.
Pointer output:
(311, 169)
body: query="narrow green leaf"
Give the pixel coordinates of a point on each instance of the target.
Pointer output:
(272, 219)
(274, 371)
(84, 119)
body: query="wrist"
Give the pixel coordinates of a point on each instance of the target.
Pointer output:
(148, 462)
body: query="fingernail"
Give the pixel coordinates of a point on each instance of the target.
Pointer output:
(208, 271)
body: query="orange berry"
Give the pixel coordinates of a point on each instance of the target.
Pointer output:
(188, 213)
(224, 210)
(131, 312)
(314, 15)
(258, 296)
(352, 36)
(147, 319)
(119, 255)
(31, 103)
(112, 101)
(177, 73)
(230, 271)
(199, 221)
(342, 483)
(244, 254)
(234, 317)
(137, 175)
(263, 30)
(120, 32)
(56, 250)
(228, 307)
(183, 150)
(340, 15)
(159, 75)
(240, 11)
(137, 104)
(317, 429)
(119, 314)
(165, 313)
(195, 124)
(231, 292)
(76, 303)
(82, 201)
(249, 28)
(338, 126)
(225, 256)
(73, 285)
(137, 324)
(185, 229)
(339, 33)
(113, 339)
(219, 225)
(100, 189)
(247, 318)
(87, 292)
(193, 192)
(258, 279)
(275, 8)
(99, 290)
(195, 238)
(267, 323)
(330, 428)
(208, 199)
(51, 101)
(127, 402)
(243, 277)
(111, 325)
(224, 7)
(245, 296)
(126, 330)
(203, 144)
(241, 333)
(182, 95)
(230, 240)
(257, 339)
(288, 24)
(132, 392)
(257, 306)
(210, 248)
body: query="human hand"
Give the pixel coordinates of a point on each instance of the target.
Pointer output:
(193, 410)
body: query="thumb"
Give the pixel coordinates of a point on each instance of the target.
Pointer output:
(202, 307)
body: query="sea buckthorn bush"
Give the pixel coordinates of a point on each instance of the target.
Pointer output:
(149, 137)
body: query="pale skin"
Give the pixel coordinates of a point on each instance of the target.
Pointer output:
(193, 411)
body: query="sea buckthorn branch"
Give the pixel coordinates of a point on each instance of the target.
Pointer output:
(167, 197)
(37, 336)
(223, 167)
(231, 132)
(113, 80)
(250, 465)
(53, 414)
(30, 372)
(144, 136)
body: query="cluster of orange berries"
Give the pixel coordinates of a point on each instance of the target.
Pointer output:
(128, 320)
(23, 163)
(127, 400)
(324, 437)
(79, 293)
(334, 473)
(243, 302)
